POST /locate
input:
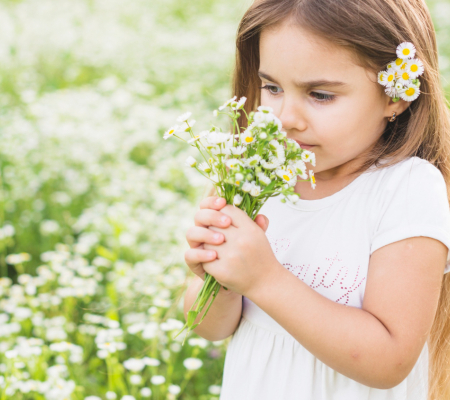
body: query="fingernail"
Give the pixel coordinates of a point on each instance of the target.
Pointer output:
(224, 219)
(218, 200)
(217, 236)
(211, 254)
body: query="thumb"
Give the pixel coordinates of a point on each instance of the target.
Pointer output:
(262, 221)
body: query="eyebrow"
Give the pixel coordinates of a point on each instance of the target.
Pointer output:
(307, 84)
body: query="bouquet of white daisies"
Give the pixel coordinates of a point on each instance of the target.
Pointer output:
(246, 168)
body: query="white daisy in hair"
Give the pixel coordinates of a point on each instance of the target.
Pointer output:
(399, 87)
(415, 68)
(404, 77)
(398, 63)
(382, 78)
(391, 91)
(233, 163)
(411, 92)
(406, 50)
(391, 65)
(390, 77)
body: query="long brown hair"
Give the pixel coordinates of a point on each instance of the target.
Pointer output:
(372, 30)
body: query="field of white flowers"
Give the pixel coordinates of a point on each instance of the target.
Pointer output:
(95, 205)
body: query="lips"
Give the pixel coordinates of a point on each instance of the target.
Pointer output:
(305, 146)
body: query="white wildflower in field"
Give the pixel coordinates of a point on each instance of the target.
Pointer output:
(158, 379)
(192, 363)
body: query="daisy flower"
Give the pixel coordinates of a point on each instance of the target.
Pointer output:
(285, 175)
(247, 137)
(237, 199)
(398, 63)
(293, 143)
(218, 137)
(265, 109)
(238, 177)
(313, 178)
(186, 126)
(271, 164)
(263, 178)
(233, 163)
(411, 92)
(404, 77)
(237, 151)
(184, 117)
(406, 50)
(382, 76)
(191, 161)
(252, 161)
(293, 198)
(255, 190)
(391, 65)
(307, 156)
(390, 78)
(227, 103)
(391, 91)
(205, 167)
(239, 104)
(415, 68)
(246, 187)
(170, 132)
(199, 136)
(399, 87)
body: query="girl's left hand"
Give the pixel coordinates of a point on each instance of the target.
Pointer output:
(245, 258)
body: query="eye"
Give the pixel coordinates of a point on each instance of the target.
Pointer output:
(326, 97)
(268, 88)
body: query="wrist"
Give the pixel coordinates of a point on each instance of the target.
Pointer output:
(265, 281)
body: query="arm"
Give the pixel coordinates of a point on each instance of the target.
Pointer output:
(223, 316)
(379, 344)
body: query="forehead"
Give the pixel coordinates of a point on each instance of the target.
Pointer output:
(287, 49)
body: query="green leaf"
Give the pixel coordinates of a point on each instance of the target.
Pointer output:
(191, 317)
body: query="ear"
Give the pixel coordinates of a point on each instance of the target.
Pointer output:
(398, 107)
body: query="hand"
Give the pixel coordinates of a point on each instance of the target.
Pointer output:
(245, 259)
(198, 235)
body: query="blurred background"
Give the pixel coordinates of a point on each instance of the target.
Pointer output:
(95, 205)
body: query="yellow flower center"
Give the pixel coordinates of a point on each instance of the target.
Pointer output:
(249, 139)
(286, 178)
(414, 68)
(403, 66)
(406, 52)
(405, 76)
(238, 183)
(313, 179)
(171, 131)
(390, 78)
(399, 61)
(410, 92)
(381, 77)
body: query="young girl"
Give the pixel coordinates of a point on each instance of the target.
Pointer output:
(344, 294)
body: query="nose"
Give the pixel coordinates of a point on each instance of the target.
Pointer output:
(292, 115)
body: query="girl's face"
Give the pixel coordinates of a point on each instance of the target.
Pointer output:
(322, 98)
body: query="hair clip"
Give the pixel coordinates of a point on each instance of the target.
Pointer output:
(401, 76)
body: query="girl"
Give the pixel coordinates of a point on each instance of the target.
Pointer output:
(344, 295)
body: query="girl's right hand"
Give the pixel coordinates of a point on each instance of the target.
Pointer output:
(209, 215)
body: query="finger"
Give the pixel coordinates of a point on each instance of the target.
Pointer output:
(207, 217)
(197, 235)
(238, 217)
(262, 221)
(213, 202)
(195, 257)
